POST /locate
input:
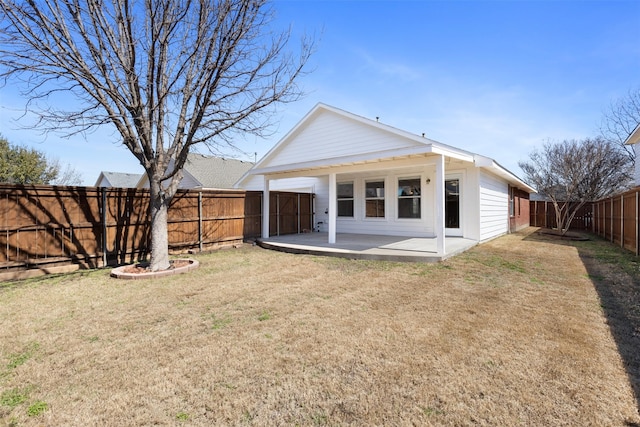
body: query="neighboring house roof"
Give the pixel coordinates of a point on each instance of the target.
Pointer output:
(215, 172)
(538, 198)
(634, 137)
(388, 143)
(202, 171)
(118, 179)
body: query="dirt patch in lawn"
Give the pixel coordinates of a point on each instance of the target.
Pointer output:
(512, 332)
(567, 235)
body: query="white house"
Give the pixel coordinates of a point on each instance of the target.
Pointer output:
(371, 178)
(634, 139)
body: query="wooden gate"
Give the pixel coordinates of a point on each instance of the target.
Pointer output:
(290, 213)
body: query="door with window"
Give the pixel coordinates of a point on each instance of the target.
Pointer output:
(452, 212)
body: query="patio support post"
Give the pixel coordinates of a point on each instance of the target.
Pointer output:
(333, 204)
(440, 205)
(265, 209)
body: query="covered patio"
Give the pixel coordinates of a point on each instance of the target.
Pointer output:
(367, 246)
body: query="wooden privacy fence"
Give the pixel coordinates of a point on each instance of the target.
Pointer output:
(616, 219)
(46, 225)
(543, 214)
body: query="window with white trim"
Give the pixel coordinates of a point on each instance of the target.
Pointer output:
(345, 199)
(374, 199)
(409, 193)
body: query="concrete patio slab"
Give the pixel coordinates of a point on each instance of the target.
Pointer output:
(368, 246)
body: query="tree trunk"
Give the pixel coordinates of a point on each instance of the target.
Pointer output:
(159, 235)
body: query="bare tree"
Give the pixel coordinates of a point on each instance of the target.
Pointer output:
(67, 176)
(571, 173)
(621, 118)
(167, 74)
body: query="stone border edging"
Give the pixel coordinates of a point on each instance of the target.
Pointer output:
(119, 272)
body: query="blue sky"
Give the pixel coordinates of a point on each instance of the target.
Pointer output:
(498, 78)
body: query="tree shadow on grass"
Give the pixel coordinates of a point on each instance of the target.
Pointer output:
(615, 274)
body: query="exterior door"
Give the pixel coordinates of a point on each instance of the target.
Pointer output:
(452, 220)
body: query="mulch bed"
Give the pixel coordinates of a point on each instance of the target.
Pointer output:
(569, 235)
(144, 267)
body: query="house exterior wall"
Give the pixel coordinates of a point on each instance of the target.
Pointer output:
(493, 207)
(104, 182)
(188, 181)
(519, 214)
(299, 185)
(325, 136)
(484, 203)
(391, 224)
(636, 150)
(471, 201)
(329, 144)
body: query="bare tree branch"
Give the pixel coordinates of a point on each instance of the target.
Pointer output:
(167, 74)
(577, 172)
(621, 118)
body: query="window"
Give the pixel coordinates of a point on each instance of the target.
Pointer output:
(512, 210)
(345, 199)
(409, 191)
(374, 199)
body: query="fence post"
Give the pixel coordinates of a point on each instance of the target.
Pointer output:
(612, 238)
(637, 239)
(622, 220)
(200, 221)
(277, 214)
(103, 218)
(298, 212)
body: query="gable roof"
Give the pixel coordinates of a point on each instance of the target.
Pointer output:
(215, 172)
(304, 146)
(634, 137)
(202, 171)
(118, 179)
(319, 125)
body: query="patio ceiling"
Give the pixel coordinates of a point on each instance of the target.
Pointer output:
(382, 160)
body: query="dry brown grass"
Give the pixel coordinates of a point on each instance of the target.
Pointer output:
(509, 333)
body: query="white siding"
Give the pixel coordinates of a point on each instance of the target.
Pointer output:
(329, 135)
(636, 149)
(299, 185)
(188, 181)
(471, 203)
(104, 182)
(494, 206)
(391, 224)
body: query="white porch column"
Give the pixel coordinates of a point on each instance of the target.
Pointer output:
(333, 207)
(265, 209)
(440, 204)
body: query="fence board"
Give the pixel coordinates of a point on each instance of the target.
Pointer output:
(628, 220)
(49, 223)
(616, 219)
(543, 214)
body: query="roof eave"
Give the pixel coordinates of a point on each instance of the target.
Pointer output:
(634, 137)
(496, 168)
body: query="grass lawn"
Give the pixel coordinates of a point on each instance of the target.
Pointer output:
(523, 330)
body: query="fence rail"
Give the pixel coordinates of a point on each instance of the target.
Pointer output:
(106, 226)
(615, 218)
(542, 214)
